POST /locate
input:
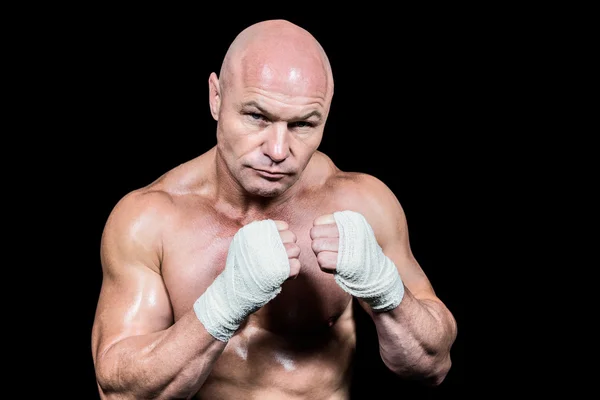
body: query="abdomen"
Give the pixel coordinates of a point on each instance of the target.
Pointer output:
(312, 363)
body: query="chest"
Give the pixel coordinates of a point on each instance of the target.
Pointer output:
(195, 254)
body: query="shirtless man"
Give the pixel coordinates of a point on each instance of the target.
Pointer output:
(232, 276)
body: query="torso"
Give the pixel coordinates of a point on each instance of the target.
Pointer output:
(300, 345)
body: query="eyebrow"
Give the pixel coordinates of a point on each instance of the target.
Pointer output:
(254, 104)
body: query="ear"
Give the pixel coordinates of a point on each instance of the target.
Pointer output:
(214, 95)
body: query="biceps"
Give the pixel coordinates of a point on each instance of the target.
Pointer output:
(131, 303)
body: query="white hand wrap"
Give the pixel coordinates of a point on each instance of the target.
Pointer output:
(362, 268)
(256, 266)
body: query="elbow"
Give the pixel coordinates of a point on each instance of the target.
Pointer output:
(108, 383)
(113, 385)
(427, 360)
(436, 371)
(104, 379)
(107, 375)
(430, 370)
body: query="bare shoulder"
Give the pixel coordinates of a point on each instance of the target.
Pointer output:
(373, 198)
(136, 226)
(133, 230)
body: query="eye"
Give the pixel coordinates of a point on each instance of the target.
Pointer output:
(302, 124)
(255, 116)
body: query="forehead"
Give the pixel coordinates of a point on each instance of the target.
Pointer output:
(302, 77)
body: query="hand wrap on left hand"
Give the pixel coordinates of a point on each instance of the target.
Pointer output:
(362, 268)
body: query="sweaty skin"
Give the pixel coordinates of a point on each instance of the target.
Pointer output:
(164, 244)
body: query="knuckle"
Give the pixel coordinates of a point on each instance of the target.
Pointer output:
(281, 225)
(294, 266)
(292, 249)
(285, 236)
(322, 259)
(316, 245)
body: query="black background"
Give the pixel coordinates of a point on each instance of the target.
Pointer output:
(129, 96)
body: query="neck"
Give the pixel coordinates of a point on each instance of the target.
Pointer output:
(234, 200)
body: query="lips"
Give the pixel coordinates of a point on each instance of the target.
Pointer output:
(271, 174)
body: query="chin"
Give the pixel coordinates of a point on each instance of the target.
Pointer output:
(268, 190)
(265, 188)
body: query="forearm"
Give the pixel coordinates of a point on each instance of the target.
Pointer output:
(415, 338)
(168, 364)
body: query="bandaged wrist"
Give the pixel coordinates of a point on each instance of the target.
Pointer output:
(363, 270)
(256, 266)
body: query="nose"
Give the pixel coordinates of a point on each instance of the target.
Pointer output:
(276, 145)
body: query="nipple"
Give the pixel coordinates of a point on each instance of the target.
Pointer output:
(332, 320)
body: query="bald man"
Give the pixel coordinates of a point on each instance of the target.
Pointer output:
(232, 276)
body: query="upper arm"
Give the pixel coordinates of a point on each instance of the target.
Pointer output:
(133, 299)
(386, 216)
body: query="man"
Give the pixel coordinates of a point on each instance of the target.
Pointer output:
(232, 276)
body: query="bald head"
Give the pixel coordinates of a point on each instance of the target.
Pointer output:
(281, 56)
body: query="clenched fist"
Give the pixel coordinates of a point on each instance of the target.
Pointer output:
(262, 255)
(346, 246)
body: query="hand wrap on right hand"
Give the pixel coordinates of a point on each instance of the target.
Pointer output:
(256, 267)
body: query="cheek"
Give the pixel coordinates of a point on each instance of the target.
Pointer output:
(237, 138)
(304, 147)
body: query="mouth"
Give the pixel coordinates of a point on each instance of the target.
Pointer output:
(270, 175)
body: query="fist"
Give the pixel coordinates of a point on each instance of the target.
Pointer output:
(325, 242)
(291, 247)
